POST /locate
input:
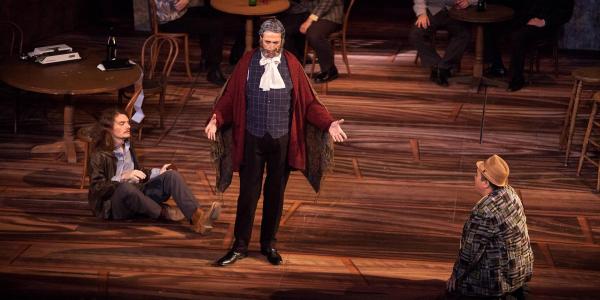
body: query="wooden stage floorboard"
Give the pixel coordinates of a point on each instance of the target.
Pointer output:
(386, 224)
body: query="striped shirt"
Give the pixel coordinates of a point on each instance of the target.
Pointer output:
(434, 6)
(166, 11)
(332, 10)
(495, 255)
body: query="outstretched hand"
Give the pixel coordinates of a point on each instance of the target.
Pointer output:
(211, 128)
(336, 132)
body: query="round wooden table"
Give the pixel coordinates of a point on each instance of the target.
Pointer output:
(68, 79)
(493, 14)
(241, 7)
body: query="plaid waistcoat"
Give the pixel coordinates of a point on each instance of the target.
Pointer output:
(268, 111)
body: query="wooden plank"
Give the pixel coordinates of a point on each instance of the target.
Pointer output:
(586, 229)
(354, 270)
(288, 214)
(416, 151)
(356, 166)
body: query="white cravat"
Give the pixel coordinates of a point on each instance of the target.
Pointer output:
(271, 78)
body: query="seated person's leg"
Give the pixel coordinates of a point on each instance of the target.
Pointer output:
(294, 40)
(493, 36)
(421, 39)
(521, 41)
(318, 38)
(168, 184)
(460, 37)
(128, 201)
(171, 183)
(207, 25)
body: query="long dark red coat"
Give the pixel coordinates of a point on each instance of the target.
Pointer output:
(307, 110)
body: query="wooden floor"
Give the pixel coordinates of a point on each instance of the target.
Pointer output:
(386, 224)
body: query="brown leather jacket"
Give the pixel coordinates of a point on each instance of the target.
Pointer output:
(102, 168)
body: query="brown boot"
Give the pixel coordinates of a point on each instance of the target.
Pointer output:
(170, 213)
(202, 222)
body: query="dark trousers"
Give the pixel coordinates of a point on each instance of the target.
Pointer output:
(460, 36)
(259, 152)
(294, 39)
(205, 24)
(130, 200)
(318, 38)
(521, 41)
(522, 38)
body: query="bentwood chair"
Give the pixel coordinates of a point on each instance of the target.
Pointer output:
(12, 36)
(183, 37)
(336, 38)
(158, 55)
(84, 134)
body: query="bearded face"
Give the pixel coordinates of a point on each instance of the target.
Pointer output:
(271, 44)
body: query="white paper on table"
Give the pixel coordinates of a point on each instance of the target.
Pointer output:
(139, 114)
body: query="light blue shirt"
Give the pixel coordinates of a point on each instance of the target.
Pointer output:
(125, 162)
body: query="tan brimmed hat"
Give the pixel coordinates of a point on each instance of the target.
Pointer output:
(494, 169)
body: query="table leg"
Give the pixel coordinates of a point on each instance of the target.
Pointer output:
(68, 130)
(67, 144)
(478, 65)
(249, 29)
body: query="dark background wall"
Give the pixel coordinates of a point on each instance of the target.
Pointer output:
(44, 18)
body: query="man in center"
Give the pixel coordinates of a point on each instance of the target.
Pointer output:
(269, 106)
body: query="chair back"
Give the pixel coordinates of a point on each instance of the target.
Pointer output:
(13, 35)
(131, 102)
(158, 56)
(347, 10)
(153, 16)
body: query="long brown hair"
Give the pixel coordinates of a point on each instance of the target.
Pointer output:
(102, 139)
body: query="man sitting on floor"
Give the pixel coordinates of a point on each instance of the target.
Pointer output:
(495, 257)
(121, 189)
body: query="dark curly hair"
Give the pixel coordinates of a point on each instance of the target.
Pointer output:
(102, 139)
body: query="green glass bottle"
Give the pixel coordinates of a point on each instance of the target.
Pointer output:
(252, 2)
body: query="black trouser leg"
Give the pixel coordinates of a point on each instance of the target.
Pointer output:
(421, 39)
(128, 201)
(460, 36)
(318, 38)
(251, 175)
(274, 189)
(521, 41)
(294, 39)
(206, 24)
(169, 184)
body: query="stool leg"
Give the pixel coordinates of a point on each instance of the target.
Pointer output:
(586, 138)
(598, 178)
(573, 120)
(563, 134)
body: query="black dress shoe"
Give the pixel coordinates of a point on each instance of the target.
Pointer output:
(434, 74)
(215, 76)
(230, 258)
(442, 76)
(515, 85)
(495, 71)
(272, 255)
(327, 76)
